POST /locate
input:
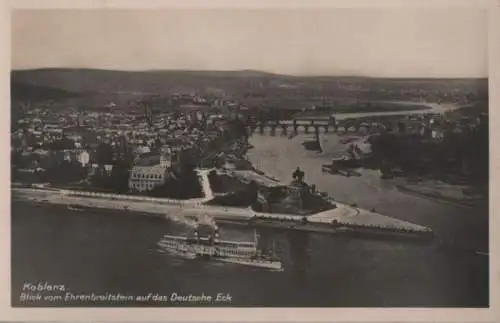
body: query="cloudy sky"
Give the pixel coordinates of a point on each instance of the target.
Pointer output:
(370, 42)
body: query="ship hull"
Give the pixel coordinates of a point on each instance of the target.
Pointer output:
(236, 255)
(267, 264)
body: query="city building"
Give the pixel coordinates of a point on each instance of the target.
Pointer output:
(146, 178)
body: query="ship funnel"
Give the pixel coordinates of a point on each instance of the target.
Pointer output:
(206, 219)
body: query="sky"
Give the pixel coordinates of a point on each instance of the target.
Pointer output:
(361, 42)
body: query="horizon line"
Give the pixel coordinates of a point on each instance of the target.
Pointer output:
(245, 70)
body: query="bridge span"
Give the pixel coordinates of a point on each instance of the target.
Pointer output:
(288, 127)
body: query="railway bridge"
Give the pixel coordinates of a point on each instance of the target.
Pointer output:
(296, 126)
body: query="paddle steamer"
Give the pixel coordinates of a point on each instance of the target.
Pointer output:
(212, 248)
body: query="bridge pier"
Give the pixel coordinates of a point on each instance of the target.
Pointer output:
(332, 121)
(364, 128)
(298, 126)
(295, 127)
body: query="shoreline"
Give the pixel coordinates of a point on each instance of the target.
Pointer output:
(437, 198)
(340, 232)
(368, 231)
(378, 107)
(264, 174)
(341, 216)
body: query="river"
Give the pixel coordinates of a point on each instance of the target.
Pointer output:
(434, 108)
(116, 252)
(279, 156)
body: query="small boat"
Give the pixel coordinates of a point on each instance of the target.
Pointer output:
(329, 168)
(333, 169)
(74, 207)
(352, 172)
(312, 145)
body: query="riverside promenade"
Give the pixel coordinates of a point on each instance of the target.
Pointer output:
(341, 215)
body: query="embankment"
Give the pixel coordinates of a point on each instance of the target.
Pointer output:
(343, 218)
(439, 197)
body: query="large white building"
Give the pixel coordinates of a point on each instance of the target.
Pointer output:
(146, 178)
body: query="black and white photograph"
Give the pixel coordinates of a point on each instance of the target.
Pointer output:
(249, 157)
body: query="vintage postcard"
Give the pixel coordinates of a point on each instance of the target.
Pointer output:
(226, 157)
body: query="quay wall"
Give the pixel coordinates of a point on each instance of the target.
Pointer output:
(177, 202)
(232, 215)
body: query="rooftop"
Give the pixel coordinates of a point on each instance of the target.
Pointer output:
(147, 170)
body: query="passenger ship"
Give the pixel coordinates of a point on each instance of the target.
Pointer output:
(211, 248)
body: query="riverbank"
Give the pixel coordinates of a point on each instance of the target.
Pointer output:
(373, 107)
(363, 232)
(350, 223)
(443, 193)
(342, 216)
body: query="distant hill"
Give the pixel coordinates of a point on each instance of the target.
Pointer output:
(157, 81)
(22, 91)
(237, 73)
(254, 88)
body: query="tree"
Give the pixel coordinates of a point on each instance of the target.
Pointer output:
(120, 176)
(104, 153)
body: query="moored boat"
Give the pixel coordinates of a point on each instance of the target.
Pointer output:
(75, 207)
